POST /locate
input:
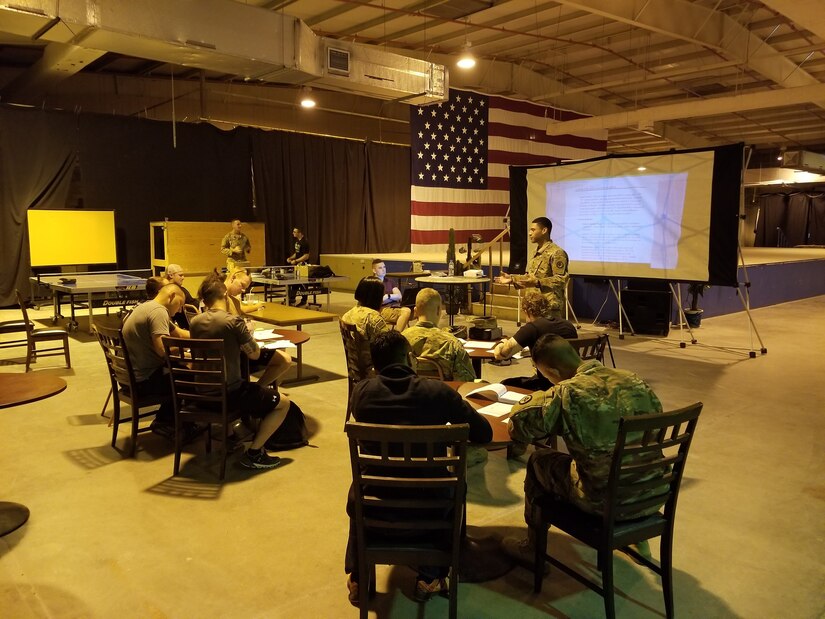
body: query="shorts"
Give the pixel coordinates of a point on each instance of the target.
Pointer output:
(254, 400)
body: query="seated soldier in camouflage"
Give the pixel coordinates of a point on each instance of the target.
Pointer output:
(583, 407)
(365, 315)
(428, 341)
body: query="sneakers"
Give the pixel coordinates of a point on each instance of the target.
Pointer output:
(425, 590)
(352, 588)
(523, 551)
(261, 460)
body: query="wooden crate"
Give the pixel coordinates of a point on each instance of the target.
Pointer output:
(196, 245)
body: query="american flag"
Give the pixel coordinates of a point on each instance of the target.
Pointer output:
(461, 151)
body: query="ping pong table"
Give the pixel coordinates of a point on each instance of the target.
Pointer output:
(106, 289)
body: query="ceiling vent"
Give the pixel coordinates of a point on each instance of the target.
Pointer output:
(804, 160)
(227, 37)
(338, 61)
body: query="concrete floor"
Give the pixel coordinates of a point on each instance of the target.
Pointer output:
(114, 537)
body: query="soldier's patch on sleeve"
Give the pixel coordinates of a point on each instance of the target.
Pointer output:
(526, 399)
(560, 264)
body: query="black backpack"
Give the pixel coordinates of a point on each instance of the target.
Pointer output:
(292, 433)
(320, 271)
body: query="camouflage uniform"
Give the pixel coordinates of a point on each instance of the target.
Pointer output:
(549, 266)
(585, 411)
(369, 324)
(231, 240)
(442, 347)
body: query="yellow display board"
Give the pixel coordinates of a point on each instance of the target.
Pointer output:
(64, 237)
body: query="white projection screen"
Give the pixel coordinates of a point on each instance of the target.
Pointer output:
(643, 216)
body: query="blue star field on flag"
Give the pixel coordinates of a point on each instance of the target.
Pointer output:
(449, 142)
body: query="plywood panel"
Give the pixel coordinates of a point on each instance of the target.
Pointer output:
(195, 245)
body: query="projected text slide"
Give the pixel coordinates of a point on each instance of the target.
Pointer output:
(630, 219)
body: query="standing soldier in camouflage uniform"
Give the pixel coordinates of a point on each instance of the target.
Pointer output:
(235, 246)
(584, 407)
(546, 270)
(428, 341)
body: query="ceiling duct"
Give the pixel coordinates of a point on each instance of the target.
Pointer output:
(225, 37)
(804, 160)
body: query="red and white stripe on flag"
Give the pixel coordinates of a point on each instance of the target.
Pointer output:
(461, 151)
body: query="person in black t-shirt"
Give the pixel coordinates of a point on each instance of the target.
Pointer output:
(536, 309)
(300, 255)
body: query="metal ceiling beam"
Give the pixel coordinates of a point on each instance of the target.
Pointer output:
(645, 117)
(492, 76)
(808, 14)
(696, 24)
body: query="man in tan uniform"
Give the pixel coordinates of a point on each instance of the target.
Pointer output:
(546, 270)
(428, 341)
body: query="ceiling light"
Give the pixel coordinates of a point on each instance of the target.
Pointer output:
(641, 168)
(306, 97)
(466, 60)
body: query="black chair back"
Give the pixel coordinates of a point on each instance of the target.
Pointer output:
(409, 484)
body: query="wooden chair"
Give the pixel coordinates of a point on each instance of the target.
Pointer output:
(197, 369)
(47, 334)
(124, 385)
(429, 463)
(593, 347)
(428, 368)
(359, 363)
(13, 326)
(645, 444)
(190, 311)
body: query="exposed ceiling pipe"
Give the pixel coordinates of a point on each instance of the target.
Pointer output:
(692, 109)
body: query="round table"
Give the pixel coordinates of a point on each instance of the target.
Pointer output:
(452, 282)
(16, 390)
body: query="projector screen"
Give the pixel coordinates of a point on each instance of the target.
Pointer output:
(671, 216)
(641, 216)
(66, 238)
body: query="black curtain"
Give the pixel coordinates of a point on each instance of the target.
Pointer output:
(518, 219)
(788, 220)
(134, 167)
(816, 223)
(346, 196)
(796, 223)
(388, 205)
(37, 159)
(772, 214)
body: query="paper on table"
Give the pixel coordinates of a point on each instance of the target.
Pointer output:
(279, 344)
(266, 334)
(496, 409)
(479, 344)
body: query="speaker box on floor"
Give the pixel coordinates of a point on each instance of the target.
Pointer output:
(648, 311)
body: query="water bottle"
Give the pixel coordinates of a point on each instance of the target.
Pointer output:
(451, 268)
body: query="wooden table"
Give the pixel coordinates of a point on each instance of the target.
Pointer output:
(298, 338)
(501, 433)
(16, 390)
(454, 281)
(482, 558)
(477, 356)
(286, 316)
